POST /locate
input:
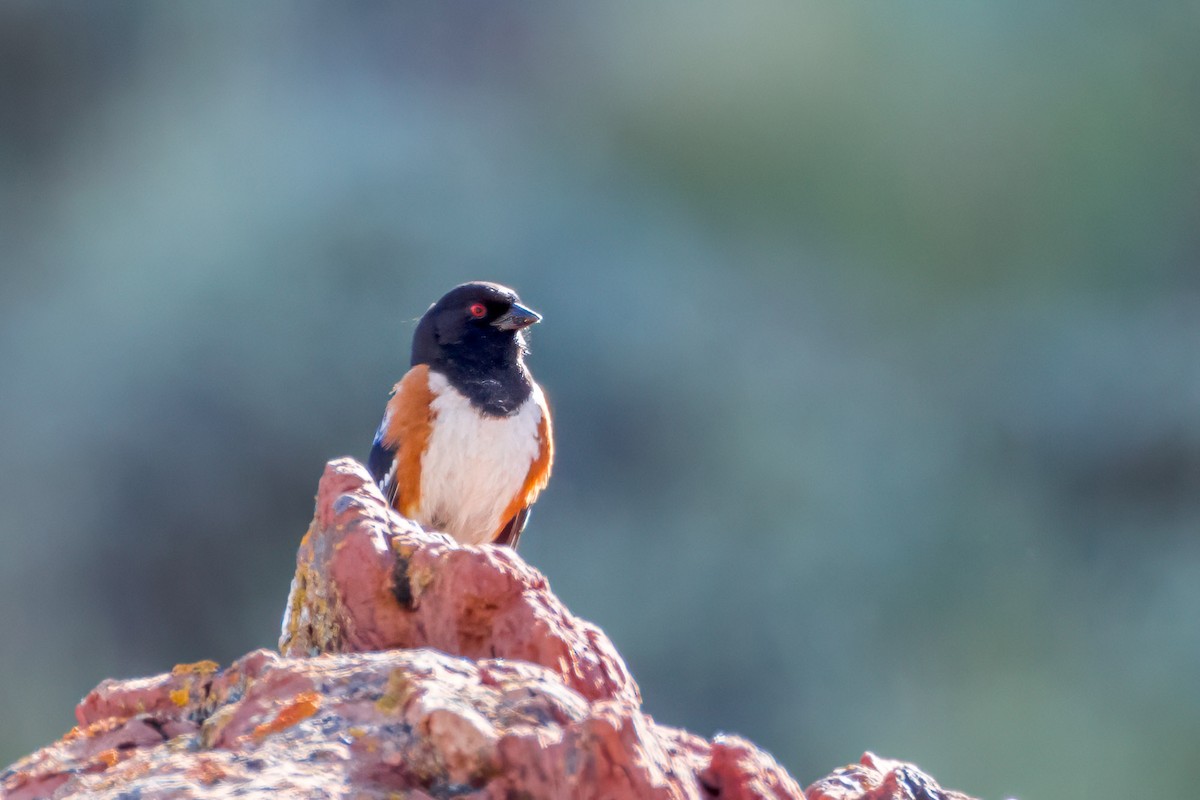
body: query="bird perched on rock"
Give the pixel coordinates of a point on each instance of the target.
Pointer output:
(465, 445)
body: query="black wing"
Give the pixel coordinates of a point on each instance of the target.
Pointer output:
(511, 532)
(382, 465)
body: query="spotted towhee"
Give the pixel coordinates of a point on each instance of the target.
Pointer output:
(465, 445)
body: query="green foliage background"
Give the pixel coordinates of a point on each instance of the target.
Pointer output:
(871, 333)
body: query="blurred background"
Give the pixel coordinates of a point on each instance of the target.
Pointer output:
(871, 332)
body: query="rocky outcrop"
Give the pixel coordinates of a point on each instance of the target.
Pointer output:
(412, 667)
(367, 579)
(372, 725)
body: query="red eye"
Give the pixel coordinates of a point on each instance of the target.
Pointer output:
(478, 310)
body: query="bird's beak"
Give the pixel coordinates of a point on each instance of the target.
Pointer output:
(517, 317)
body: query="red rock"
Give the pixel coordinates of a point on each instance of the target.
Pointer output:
(875, 778)
(412, 666)
(366, 579)
(373, 724)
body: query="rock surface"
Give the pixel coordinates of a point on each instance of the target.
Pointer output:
(371, 725)
(875, 778)
(367, 579)
(412, 667)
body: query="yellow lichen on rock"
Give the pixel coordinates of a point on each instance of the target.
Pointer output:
(397, 693)
(309, 624)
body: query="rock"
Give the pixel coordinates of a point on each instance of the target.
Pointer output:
(412, 667)
(379, 725)
(367, 579)
(875, 778)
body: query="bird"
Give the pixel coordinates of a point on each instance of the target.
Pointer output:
(466, 443)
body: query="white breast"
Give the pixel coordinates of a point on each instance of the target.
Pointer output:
(474, 464)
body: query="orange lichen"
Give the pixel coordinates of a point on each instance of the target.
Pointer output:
(180, 697)
(303, 706)
(196, 668)
(108, 758)
(93, 728)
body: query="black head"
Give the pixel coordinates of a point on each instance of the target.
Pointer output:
(473, 336)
